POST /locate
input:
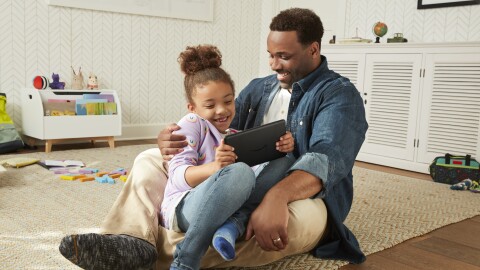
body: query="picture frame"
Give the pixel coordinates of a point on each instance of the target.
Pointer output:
(425, 4)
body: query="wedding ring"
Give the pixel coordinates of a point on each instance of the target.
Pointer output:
(276, 240)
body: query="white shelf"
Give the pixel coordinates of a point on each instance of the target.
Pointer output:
(54, 129)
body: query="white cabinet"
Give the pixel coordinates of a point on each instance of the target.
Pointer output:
(54, 129)
(349, 65)
(451, 106)
(421, 100)
(392, 88)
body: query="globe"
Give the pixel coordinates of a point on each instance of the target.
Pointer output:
(379, 29)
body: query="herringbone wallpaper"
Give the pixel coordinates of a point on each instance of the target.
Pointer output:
(136, 55)
(453, 24)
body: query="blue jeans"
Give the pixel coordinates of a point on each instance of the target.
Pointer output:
(231, 193)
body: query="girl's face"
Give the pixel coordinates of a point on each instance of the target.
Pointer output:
(215, 102)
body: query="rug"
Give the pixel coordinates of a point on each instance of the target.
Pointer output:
(37, 209)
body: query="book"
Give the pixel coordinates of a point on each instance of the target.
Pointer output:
(86, 101)
(102, 108)
(108, 97)
(110, 108)
(18, 162)
(61, 163)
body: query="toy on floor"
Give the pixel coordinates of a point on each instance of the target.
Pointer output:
(475, 187)
(467, 184)
(56, 83)
(462, 185)
(100, 177)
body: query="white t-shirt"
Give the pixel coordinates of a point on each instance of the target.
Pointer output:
(278, 110)
(279, 107)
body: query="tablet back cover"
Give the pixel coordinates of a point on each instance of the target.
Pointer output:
(257, 145)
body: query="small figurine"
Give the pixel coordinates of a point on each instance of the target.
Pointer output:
(397, 38)
(77, 79)
(56, 83)
(92, 81)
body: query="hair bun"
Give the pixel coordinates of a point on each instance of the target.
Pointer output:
(196, 58)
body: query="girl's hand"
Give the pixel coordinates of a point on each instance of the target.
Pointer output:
(224, 156)
(285, 144)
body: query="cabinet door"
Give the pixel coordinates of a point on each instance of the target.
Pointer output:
(351, 66)
(392, 91)
(450, 114)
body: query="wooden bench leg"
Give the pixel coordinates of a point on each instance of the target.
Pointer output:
(111, 142)
(48, 146)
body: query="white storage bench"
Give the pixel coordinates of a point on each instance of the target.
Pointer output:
(54, 129)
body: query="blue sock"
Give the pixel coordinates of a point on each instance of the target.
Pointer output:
(224, 240)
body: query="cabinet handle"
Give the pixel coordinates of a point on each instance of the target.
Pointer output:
(416, 143)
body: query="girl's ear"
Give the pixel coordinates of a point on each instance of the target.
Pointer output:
(190, 107)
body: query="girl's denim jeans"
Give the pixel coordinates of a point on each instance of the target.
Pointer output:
(231, 193)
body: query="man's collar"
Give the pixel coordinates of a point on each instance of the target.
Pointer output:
(306, 82)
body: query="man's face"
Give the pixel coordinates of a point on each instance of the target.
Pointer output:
(289, 58)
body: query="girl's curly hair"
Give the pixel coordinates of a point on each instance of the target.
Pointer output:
(201, 64)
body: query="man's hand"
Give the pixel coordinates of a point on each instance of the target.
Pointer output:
(285, 144)
(170, 144)
(269, 223)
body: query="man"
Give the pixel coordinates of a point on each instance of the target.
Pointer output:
(325, 114)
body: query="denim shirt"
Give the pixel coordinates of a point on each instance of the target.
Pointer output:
(326, 116)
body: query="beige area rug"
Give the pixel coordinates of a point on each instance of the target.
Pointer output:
(37, 209)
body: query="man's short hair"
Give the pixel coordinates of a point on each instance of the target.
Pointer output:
(305, 22)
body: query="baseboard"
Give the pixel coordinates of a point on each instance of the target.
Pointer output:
(394, 163)
(140, 132)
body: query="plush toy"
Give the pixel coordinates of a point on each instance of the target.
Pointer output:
(92, 81)
(40, 82)
(56, 83)
(77, 79)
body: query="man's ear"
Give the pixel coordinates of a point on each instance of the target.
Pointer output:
(190, 107)
(315, 48)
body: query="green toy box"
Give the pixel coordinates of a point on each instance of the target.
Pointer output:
(450, 169)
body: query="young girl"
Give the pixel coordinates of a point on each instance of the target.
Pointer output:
(208, 195)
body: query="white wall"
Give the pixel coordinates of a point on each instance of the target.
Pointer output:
(136, 55)
(343, 17)
(452, 24)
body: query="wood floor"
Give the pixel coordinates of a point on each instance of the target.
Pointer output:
(456, 246)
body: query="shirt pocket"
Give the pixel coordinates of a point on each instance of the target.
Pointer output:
(301, 128)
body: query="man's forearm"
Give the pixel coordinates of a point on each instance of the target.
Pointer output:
(298, 185)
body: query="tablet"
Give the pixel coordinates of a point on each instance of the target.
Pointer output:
(257, 145)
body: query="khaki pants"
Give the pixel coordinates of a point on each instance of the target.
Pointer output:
(135, 213)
